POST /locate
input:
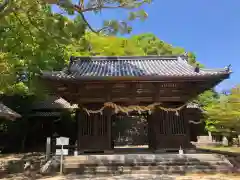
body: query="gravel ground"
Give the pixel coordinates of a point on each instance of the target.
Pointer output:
(147, 177)
(129, 177)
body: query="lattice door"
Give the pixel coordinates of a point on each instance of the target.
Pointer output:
(169, 129)
(94, 131)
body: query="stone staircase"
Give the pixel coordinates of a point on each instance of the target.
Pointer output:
(147, 164)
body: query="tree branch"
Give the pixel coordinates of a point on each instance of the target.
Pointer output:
(102, 29)
(86, 22)
(80, 8)
(4, 4)
(90, 27)
(6, 8)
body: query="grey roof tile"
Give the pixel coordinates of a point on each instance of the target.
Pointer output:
(53, 102)
(45, 114)
(134, 66)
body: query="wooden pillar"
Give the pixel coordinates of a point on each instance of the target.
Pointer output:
(160, 130)
(191, 114)
(151, 131)
(187, 143)
(78, 129)
(108, 112)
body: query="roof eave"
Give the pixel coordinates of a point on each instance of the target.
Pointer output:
(224, 75)
(10, 116)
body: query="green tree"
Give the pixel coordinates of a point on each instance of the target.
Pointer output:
(152, 45)
(207, 98)
(224, 114)
(6, 70)
(85, 6)
(34, 39)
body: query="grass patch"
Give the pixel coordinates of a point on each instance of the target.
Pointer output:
(222, 148)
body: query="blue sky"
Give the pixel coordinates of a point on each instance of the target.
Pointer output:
(209, 28)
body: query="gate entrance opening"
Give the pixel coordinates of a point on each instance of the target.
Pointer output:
(130, 131)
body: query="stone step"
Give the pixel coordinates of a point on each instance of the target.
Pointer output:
(169, 163)
(147, 169)
(146, 157)
(147, 163)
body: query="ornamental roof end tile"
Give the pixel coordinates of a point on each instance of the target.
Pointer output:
(132, 66)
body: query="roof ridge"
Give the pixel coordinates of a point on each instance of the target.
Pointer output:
(96, 58)
(214, 69)
(223, 70)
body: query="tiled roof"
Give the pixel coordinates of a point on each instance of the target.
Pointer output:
(133, 66)
(45, 114)
(53, 102)
(7, 112)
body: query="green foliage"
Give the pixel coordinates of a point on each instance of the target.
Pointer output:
(151, 45)
(207, 98)
(32, 40)
(6, 69)
(80, 8)
(224, 114)
(143, 44)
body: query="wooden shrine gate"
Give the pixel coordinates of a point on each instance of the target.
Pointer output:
(166, 131)
(93, 81)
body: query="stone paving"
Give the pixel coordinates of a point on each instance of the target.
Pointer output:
(147, 177)
(129, 177)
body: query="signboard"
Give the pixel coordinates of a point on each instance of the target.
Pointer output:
(62, 141)
(60, 152)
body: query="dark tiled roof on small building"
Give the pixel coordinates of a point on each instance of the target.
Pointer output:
(45, 114)
(8, 113)
(53, 102)
(131, 66)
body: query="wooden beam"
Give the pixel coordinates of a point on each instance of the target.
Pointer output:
(131, 91)
(108, 92)
(157, 94)
(129, 100)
